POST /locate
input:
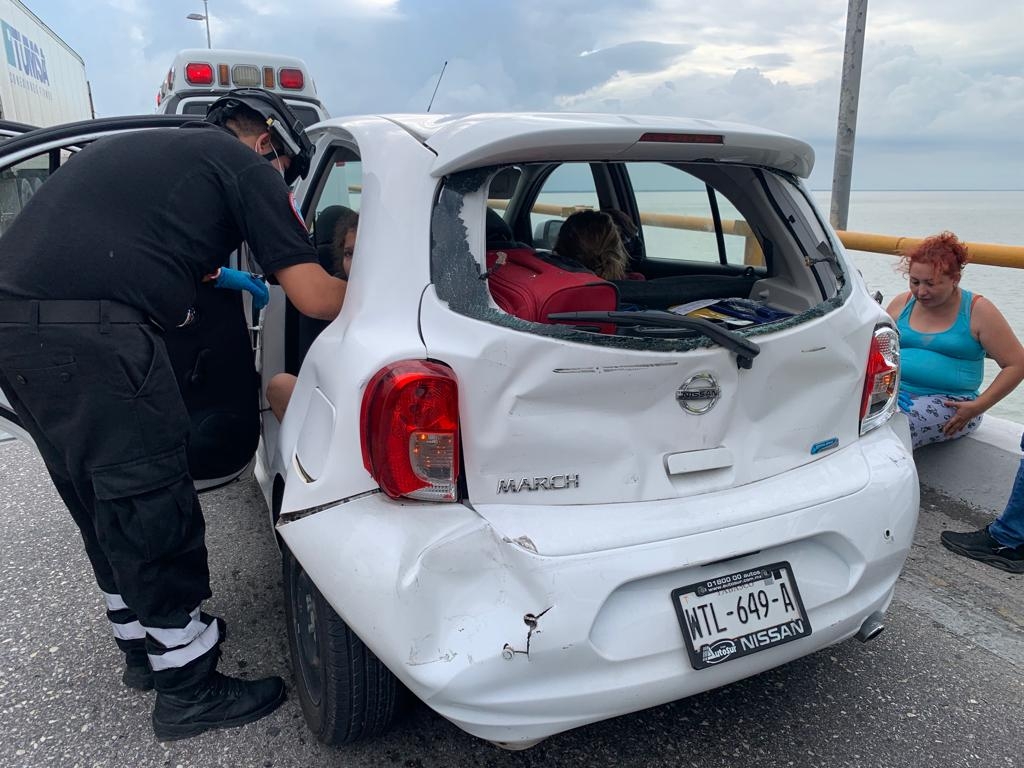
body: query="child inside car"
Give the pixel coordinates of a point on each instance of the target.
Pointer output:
(342, 223)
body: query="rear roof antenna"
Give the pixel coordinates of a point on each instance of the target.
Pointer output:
(437, 86)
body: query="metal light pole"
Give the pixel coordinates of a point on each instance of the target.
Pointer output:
(846, 130)
(204, 16)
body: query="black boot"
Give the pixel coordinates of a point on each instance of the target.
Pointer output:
(137, 672)
(218, 701)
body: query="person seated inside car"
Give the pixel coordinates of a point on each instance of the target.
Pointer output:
(592, 239)
(343, 243)
(629, 233)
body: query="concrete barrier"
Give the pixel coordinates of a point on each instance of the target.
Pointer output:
(978, 469)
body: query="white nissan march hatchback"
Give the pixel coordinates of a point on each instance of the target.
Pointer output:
(538, 499)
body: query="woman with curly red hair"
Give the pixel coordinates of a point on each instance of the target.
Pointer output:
(945, 334)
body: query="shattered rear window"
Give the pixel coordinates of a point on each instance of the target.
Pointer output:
(781, 235)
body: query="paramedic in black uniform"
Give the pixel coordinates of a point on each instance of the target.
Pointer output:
(109, 251)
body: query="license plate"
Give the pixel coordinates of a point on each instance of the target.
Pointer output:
(736, 615)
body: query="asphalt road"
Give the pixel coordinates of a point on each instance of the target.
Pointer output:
(942, 686)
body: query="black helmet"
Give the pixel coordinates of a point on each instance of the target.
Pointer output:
(282, 124)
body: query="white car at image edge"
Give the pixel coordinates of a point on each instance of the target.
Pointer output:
(536, 498)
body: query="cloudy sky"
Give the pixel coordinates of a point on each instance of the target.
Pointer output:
(941, 101)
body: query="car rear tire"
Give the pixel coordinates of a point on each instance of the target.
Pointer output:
(346, 693)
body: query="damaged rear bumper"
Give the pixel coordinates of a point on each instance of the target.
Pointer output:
(514, 646)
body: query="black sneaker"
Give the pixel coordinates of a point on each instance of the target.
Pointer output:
(979, 545)
(218, 702)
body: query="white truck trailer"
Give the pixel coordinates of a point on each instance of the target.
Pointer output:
(43, 80)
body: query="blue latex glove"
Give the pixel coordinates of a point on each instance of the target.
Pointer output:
(905, 401)
(237, 280)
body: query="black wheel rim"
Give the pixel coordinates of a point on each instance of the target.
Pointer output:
(308, 648)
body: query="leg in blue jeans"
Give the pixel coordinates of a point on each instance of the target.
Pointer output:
(1008, 528)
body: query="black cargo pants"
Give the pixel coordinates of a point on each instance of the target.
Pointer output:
(99, 398)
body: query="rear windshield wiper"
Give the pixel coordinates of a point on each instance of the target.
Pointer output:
(658, 323)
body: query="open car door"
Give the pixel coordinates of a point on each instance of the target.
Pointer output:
(212, 357)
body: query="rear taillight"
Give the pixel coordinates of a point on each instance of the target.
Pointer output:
(409, 427)
(198, 73)
(882, 379)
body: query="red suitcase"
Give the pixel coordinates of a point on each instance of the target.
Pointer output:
(532, 285)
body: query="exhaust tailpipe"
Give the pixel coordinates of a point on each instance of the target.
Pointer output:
(871, 628)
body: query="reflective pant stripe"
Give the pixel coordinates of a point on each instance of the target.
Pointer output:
(122, 619)
(130, 631)
(114, 602)
(178, 636)
(183, 644)
(196, 647)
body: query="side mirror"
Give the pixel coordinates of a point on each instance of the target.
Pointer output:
(546, 233)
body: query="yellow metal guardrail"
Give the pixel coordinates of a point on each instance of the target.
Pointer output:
(994, 254)
(752, 250)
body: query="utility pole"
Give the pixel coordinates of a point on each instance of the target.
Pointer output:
(849, 94)
(204, 16)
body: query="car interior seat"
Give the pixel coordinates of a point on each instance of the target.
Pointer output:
(499, 233)
(664, 292)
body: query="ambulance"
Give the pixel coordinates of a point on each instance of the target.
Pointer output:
(198, 76)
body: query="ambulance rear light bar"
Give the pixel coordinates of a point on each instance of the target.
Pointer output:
(241, 76)
(198, 73)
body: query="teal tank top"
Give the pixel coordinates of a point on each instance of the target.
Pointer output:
(949, 363)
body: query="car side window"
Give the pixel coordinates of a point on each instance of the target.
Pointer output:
(340, 195)
(569, 188)
(343, 185)
(334, 195)
(685, 219)
(17, 185)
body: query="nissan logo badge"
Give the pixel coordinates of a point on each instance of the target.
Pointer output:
(698, 394)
